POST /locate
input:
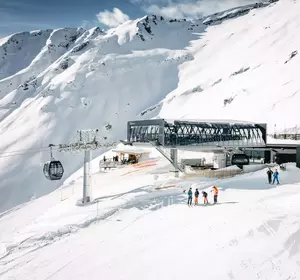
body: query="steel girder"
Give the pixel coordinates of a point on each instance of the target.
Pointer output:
(185, 133)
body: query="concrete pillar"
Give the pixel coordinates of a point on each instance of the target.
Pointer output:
(174, 158)
(219, 160)
(272, 156)
(86, 177)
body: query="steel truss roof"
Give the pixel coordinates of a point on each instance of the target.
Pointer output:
(186, 133)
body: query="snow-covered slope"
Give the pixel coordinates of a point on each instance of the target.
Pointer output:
(28, 54)
(19, 50)
(245, 68)
(141, 228)
(142, 69)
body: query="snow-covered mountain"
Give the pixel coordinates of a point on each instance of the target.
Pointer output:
(238, 64)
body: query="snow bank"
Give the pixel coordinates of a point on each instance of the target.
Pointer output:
(253, 167)
(230, 168)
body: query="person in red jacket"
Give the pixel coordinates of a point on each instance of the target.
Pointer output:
(216, 193)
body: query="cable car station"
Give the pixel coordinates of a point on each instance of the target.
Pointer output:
(225, 139)
(235, 138)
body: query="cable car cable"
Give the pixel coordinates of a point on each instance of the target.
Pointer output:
(22, 152)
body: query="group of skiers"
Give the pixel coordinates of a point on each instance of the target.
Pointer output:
(215, 190)
(275, 175)
(204, 195)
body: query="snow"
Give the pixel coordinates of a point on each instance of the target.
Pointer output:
(230, 168)
(4, 40)
(261, 93)
(139, 220)
(239, 68)
(131, 150)
(75, 79)
(271, 140)
(171, 121)
(253, 167)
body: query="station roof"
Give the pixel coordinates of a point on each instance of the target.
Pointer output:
(212, 121)
(131, 150)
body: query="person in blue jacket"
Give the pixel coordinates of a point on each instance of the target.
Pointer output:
(276, 177)
(190, 197)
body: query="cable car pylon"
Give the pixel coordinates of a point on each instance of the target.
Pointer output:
(86, 141)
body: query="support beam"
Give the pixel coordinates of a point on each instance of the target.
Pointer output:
(267, 157)
(174, 158)
(298, 157)
(86, 177)
(86, 141)
(175, 133)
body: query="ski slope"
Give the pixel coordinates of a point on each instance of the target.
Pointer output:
(148, 67)
(239, 64)
(245, 68)
(141, 221)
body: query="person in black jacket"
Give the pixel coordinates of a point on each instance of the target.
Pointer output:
(196, 196)
(270, 173)
(204, 194)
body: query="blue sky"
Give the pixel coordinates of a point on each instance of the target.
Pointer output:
(24, 15)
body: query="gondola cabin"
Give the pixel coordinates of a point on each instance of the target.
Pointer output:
(240, 160)
(53, 170)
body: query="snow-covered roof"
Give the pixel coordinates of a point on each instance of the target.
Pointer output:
(171, 121)
(131, 151)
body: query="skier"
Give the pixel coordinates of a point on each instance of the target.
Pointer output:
(216, 192)
(270, 173)
(204, 194)
(190, 197)
(196, 196)
(275, 177)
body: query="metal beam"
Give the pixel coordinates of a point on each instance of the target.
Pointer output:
(185, 133)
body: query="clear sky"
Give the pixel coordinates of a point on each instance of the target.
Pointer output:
(25, 15)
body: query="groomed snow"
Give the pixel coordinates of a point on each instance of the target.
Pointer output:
(141, 220)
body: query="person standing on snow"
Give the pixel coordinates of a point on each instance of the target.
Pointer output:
(204, 194)
(196, 196)
(276, 177)
(190, 197)
(216, 192)
(270, 173)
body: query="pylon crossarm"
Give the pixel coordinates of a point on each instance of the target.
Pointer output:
(79, 147)
(86, 141)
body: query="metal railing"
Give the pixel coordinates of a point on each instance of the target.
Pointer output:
(289, 136)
